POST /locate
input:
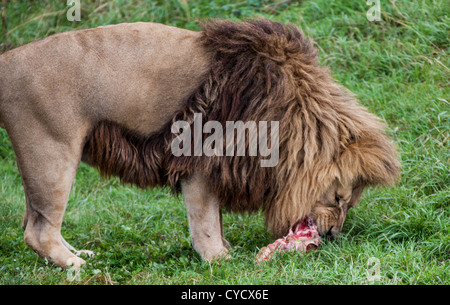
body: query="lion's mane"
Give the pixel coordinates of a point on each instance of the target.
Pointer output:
(260, 71)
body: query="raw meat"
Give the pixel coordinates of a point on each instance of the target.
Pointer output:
(303, 237)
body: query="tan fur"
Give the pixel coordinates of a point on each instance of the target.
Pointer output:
(108, 95)
(205, 218)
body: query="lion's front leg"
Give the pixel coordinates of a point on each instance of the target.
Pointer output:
(205, 220)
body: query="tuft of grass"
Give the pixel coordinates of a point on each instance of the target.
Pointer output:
(398, 67)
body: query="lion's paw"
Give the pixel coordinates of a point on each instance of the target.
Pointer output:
(75, 263)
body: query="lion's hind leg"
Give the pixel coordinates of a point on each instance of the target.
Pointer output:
(48, 167)
(205, 221)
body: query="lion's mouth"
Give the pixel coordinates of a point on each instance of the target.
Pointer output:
(302, 237)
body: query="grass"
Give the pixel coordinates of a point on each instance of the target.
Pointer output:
(398, 67)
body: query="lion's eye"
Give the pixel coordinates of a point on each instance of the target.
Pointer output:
(337, 198)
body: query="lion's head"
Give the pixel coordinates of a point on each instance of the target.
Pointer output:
(330, 211)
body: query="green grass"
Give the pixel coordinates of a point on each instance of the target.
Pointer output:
(398, 67)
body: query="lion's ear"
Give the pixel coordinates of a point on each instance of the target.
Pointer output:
(371, 159)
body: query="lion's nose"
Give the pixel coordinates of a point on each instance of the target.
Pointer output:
(330, 233)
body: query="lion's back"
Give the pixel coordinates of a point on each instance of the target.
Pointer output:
(136, 74)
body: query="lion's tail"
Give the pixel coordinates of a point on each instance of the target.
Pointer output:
(136, 159)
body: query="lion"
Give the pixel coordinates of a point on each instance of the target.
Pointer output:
(108, 96)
